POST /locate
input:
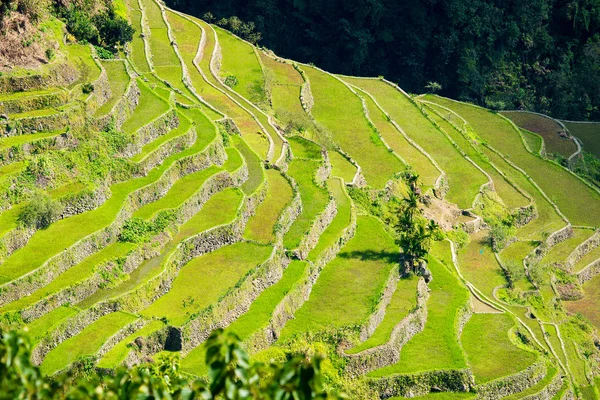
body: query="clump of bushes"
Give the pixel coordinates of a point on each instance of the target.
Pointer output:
(137, 230)
(231, 81)
(245, 30)
(41, 211)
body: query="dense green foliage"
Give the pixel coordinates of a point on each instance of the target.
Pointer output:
(541, 55)
(40, 212)
(231, 376)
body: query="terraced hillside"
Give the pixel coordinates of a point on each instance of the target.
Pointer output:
(207, 183)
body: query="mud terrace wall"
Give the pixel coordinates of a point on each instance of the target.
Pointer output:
(389, 353)
(512, 384)
(422, 383)
(97, 240)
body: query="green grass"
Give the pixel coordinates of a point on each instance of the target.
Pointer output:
(81, 56)
(441, 396)
(10, 141)
(534, 141)
(562, 250)
(153, 14)
(202, 281)
(463, 178)
(87, 342)
(38, 328)
(341, 112)
(234, 159)
(138, 52)
(118, 80)
(341, 167)
(304, 148)
(555, 342)
(256, 175)
(314, 200)
(339, 222)
(479, 266)
(261, 226)
(547, 128)
(75, 274)
(588, 133)
(588, 305)
(118, 353)
(285, 86)
(150, 107)
(557, 183)
(174, 75)
(589, 257)
(184, 126)
(509, 195)
(349, 287)
(517, 251)
(402, 302)
(390, 134)
(240, 61)
(439, 335)
(61, 234)
(486, 335)
(181, 191)
(550, 374)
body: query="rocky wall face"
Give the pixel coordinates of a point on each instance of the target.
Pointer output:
(422, 383)
(59, 75)
(173, 146)
(39, 102)
(513, 383)
(121, 110)
(590, 244)
(375, 318)
(310, 240)
(151, 131)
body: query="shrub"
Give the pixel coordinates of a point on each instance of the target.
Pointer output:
(231, 81)
(50, 53)
(87, 88)
(113, 29)
(104, 54)
(80, 25)
(135, 230)
(41, 211)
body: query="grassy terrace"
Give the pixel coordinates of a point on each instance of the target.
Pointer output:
(202, 281)
(402, 302)
(547, 128)
(117, 354)
(150, 107)
(286, 85)
(439, 336)
(138, 52)
(349, 287)
(557, 183)
(341, 167)
(181, 190)
(562, 250)
(10, 141)
(240, 61)
(39, 327)
(479, 266)
(588, 258)
(588, 305)
(390, 134)
(184, 126)
(340, 111)
(220, 209)
(550, 374)
(510, 196)
(442, 396)
(534, 141)
(256, 174)
(48, 242)
(487, 334)
(255, 318)
(463, 178)
(70, 277)
(87, 342)
(118, 80)
(81, 56)
(187, 35)
(339, 222)
(261, 226)
(588, 133)
(314, 198)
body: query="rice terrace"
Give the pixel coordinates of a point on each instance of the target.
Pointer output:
(184, 180)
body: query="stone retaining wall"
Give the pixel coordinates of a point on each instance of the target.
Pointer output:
(590, 271)
(389, 352)
(310, 240)
(122, 109)
(121, 335)
(36, 102)
(548, 391)
(422, 383)
(102, 92)
(21, 152)
(513, 383)
(59, 75)
(374, 319)
(73, 117)
(167, 149)
(590, 244)
(151, 131)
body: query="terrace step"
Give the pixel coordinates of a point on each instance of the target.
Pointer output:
(23, 102)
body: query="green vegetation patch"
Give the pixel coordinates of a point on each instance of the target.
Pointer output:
(87, 342)
(550, 374)
(341, 167)
(261, 226)
(118, 79)
(284, 83)
(350, 286)
(256, 175)
(150, 107)
(340, 111)
(138, 51)
(203, 281)
(588, 133)
(487, 334)
(560, 251)
(118, 353)
(183, 128)
(39, 327)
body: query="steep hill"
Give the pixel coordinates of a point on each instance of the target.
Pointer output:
(196, 182)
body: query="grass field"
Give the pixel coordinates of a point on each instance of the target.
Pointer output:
(588, 258)
(349, 286)
(138, 52)
(534, 141)
(341, 220)
(239, 60)
(439, 336)
(341, 167)
(87, 342)
(285, 86)
(547, 128)
(464, 179)
(403, 301)
(509, 195)
(256, 174)
(487, 334)
(588, 305)
(117, 354)
(314, 200)
(118, 80)
(205, 279)
(38, 328)
(10, 141)
(261, 226)
(588, 133)
(557, 183)
(340, 111)
(150, 106)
